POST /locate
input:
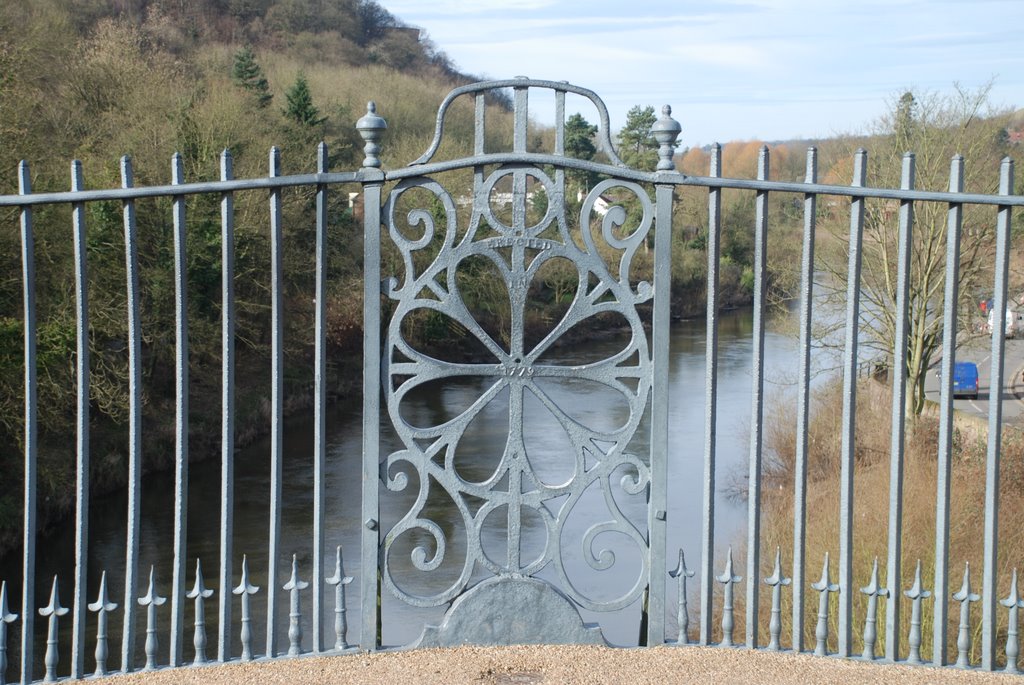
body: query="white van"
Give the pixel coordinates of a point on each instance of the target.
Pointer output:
(1011, 324)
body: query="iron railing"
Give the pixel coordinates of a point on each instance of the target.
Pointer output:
(509, 581)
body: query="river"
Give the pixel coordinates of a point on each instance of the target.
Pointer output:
(402, 624)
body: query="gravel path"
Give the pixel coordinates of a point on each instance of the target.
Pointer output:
(530, 665)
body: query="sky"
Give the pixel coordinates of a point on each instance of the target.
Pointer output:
(743, 70)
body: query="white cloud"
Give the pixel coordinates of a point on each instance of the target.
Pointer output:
(769, 68)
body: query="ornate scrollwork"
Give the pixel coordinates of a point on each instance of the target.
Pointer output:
(515, 250)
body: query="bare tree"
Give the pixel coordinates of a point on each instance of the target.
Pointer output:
(935, 128)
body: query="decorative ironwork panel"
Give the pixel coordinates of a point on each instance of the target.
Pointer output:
(513, 249)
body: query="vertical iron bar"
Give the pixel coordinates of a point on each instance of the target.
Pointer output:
(995, 424)
(521, 100)
(180, 416)
(560, 137)
(893, 573)
(370, 585)
(371, 127)
(227, 469)
(559, 122)
(658, 506)
(135, 426)
(320, 403)
(850, 408)
(803, 403)
(757, 403)
(277, 404)
(82, 428)
(707, 549)
(945, 447)
(28, 569)
(479, 114)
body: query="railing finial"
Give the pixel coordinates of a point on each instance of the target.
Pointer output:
(371, 126)
(151, 600)
(5, 618)
(915, 594)
(245, 589)
(1012, 602)
(873, 590)
(965, 597)
(52, 611)
(824, 586)
(776, 581)
(681, 573)
(666, 130)
(293, 586)
(339, 580)
(727, 579)
(102, 606)
(198, 594)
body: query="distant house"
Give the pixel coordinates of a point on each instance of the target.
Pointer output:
(601, 205)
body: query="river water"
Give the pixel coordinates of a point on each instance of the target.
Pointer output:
(403, 624)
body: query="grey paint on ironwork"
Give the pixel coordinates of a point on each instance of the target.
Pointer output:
(846, 463)
(227, 436)
(944, 466)
(682, 574)
(727, 579)
(990, 556)
(28, 568)
(6, 617)
(82, 401)
(151, 601)
(180, 415)
(52, 612)
(757, 402)
(803, 416)
(899, 399)
(1012, 602)
(135, 430)
(707, 544)
(319, 402)
(824, 586)
(245, 590)
(276, 423)
(198, 594)
(102, 606)
(498, 598)
(915, 594)
(339, 580)
(776, 581)
(493, 613)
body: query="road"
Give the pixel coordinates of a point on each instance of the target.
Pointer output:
(979, 351)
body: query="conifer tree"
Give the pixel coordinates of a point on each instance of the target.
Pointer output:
(637, 146)
(579, 143)
(248, 74)
(300, 108)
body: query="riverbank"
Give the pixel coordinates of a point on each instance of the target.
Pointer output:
(536, 664)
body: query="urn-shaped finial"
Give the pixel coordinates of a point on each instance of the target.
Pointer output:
(371, 126)
(666, 130)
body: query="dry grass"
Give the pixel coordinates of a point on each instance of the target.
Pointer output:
(871, 507)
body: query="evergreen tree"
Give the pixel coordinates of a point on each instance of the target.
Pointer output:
(248, 74)
(579, 137)
(300, 107)
(579, 143)
(637, 147)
